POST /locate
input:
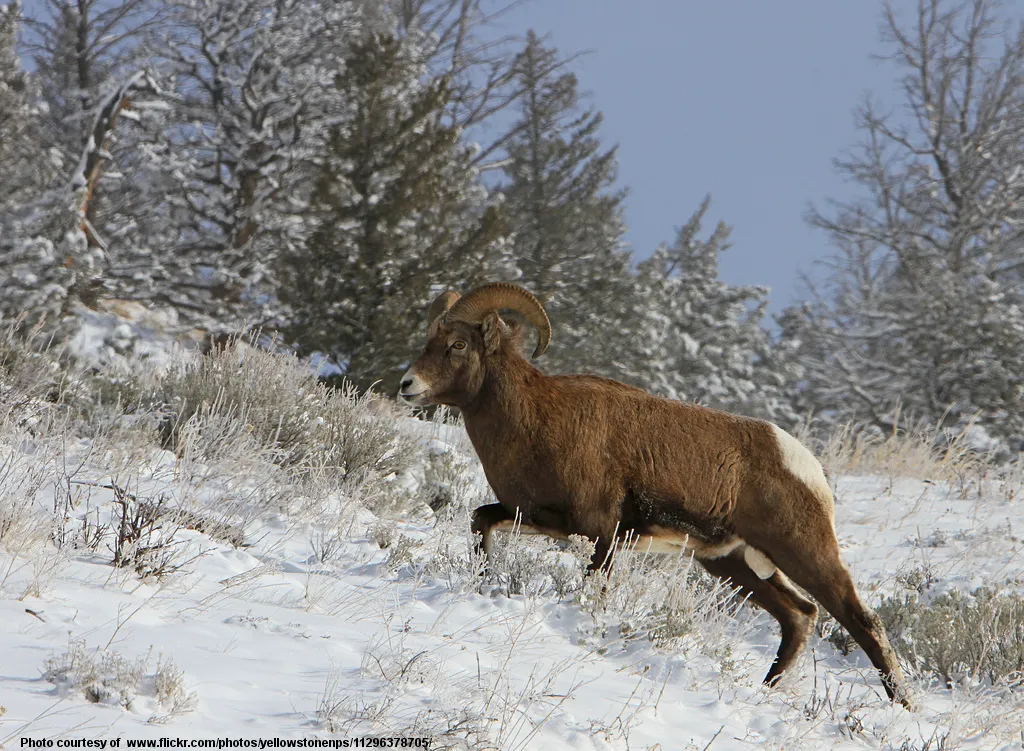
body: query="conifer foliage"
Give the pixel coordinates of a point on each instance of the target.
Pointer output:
(398, 213)
(702, 339)
(565, 210)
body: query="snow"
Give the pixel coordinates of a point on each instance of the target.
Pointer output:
(266, 635)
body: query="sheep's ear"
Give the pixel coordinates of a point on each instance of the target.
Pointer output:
(491, 328)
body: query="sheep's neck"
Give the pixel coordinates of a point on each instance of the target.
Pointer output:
(503, 407)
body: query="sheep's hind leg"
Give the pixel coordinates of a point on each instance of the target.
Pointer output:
(794, 612)
(813, 562)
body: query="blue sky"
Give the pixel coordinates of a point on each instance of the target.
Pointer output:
(749, 100)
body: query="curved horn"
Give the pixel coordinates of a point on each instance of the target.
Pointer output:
(441, 304)
(474, 306)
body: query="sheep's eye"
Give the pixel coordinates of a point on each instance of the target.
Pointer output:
(459, 345)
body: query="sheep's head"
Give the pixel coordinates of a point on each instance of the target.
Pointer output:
(462, 333)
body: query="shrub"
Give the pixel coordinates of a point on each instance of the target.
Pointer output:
(106, 677)
(309, 429)
(661, 599)
(360, 437)
(33, 379)
(664, 599)
(26, 524)
(29, 365)
(955, 636)
(273, 395)
(100, 677)
(145, 535)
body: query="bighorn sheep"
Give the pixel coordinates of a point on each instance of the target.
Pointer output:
(590, 456)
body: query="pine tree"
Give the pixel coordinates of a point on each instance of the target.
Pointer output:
(86, 97)
(400, 214)
(565, 213)
(697, 338)
(37, 232)
(83, 50)
(50, 252)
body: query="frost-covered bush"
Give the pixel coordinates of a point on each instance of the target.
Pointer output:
(448, 478)
(360, 437)
(306, 426)
(27, 468)
(661, 599)
(954, 637)
(959, 637)
(275, 396)
(21, 516)
(144, 534)
(43, 383)
(32, 376)
(100, 677)
(106, 677)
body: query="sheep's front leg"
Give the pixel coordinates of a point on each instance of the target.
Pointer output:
(494, 517)
(485, 520)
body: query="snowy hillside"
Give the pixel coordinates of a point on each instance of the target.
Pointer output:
(263, 593)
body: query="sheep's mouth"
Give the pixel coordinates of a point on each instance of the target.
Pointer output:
(412, 397)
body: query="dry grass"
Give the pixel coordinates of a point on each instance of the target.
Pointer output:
(918, 450)
(255, 434)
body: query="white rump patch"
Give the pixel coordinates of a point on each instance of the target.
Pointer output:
(801, 464)
(759, 563)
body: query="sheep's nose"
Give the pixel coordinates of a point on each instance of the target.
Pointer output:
(405, 384)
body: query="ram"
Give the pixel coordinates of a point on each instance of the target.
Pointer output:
(590, 456)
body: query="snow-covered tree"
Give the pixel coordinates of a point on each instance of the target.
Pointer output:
(52, 257)
(249, 84)
(461, 41)
(925, 307)
(37, 231)
(83, 50)
(694, 337)
(399, 211)
(565, 212)
(89, 93)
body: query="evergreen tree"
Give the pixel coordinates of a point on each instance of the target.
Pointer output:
(399, 214)
(88, 96)
(81, 48)
(37, 231)
(566, 214)
(50, 252)
(697, 338)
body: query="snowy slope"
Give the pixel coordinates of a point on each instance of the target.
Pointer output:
(272, 642)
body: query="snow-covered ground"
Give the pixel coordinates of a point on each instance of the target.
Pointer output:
(311, 628)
